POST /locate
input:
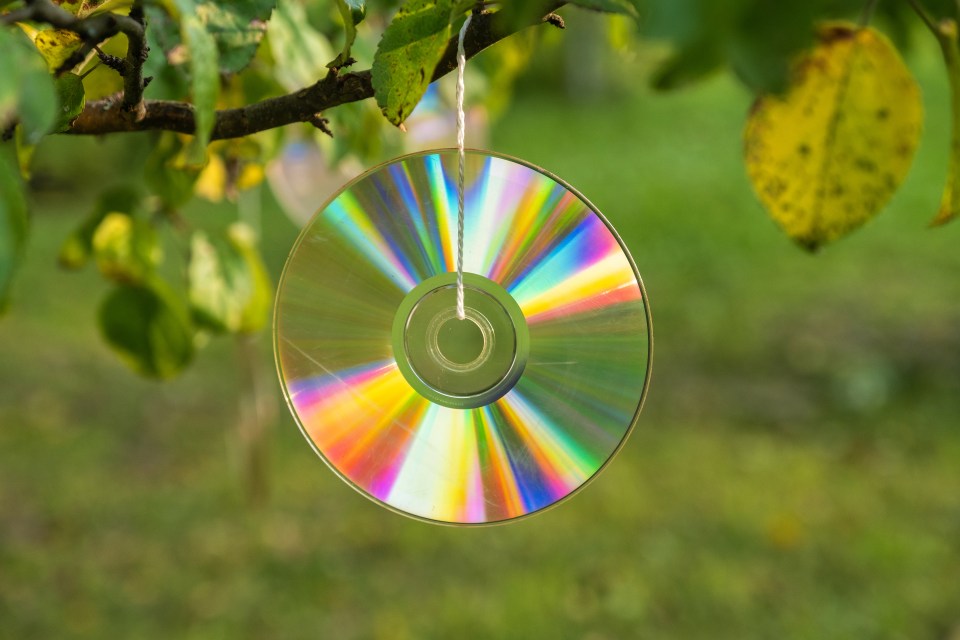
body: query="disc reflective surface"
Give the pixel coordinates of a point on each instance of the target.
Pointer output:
(462, 421)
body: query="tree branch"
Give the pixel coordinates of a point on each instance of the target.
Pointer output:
(137, 50)
(105, 116)
(866, 15)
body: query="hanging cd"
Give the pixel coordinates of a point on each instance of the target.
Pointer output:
(470, 421)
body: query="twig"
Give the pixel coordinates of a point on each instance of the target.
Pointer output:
(112, 62)
(17, 15)
(925, 17)
(555, 20)
(321, 123)
(137, 51)
(867, 14)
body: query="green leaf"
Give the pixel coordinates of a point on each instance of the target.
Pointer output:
(237, 26)
(204, 83)
(259, 298)
(517, 15)
(85, 8)
(70, 100)
(73, 6)
(756, 38)
(684, 21)
(690, 64)
(165, 64)
(26, 88)
(76, 250)
(13, 225)
(352, 13)
(764, 41)
(204, 76)
(25, 153)
(298, 49)
(38, 106)
(361, 133)
(126, 249)
(213, 302)
(698, 31)
(228, 287)
(624, 7)
(149, 328)
(168, 173)
(407, 55)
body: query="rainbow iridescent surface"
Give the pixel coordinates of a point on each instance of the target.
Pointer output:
(588, 365)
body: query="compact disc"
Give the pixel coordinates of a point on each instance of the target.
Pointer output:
(472, 421)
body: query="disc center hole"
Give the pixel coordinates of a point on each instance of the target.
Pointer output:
(460, 341)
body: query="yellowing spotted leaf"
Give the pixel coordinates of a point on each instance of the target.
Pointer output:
(827, 156)
(85, 8)
(212, 183)
(73, 6)
(55, 45)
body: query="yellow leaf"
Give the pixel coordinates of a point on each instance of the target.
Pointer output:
(86, 8)
(99, 80)
(25, 152)
(251, 174)
(126, 250)
(56, 46)
(827, 156)
(950, 205)
(30, 30)
(212, 183)
(785, 531)
(73, 6)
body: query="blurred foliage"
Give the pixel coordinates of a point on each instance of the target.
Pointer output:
(148, 327)
(215, 54)
(794, 474)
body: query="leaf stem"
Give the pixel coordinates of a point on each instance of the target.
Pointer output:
(948, 37)
(867, 14)
(946, 33)
(17, 15)
(925, 17)
(254, 422)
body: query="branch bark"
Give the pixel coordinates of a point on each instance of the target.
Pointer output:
(137, 50)
(106, 116)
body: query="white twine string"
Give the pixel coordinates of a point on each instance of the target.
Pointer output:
(461, 135)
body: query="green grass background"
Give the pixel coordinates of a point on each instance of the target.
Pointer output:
(795, 474)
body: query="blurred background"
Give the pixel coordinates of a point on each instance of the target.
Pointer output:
(795, 473)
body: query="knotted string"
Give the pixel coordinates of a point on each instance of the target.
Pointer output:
(461, 157)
